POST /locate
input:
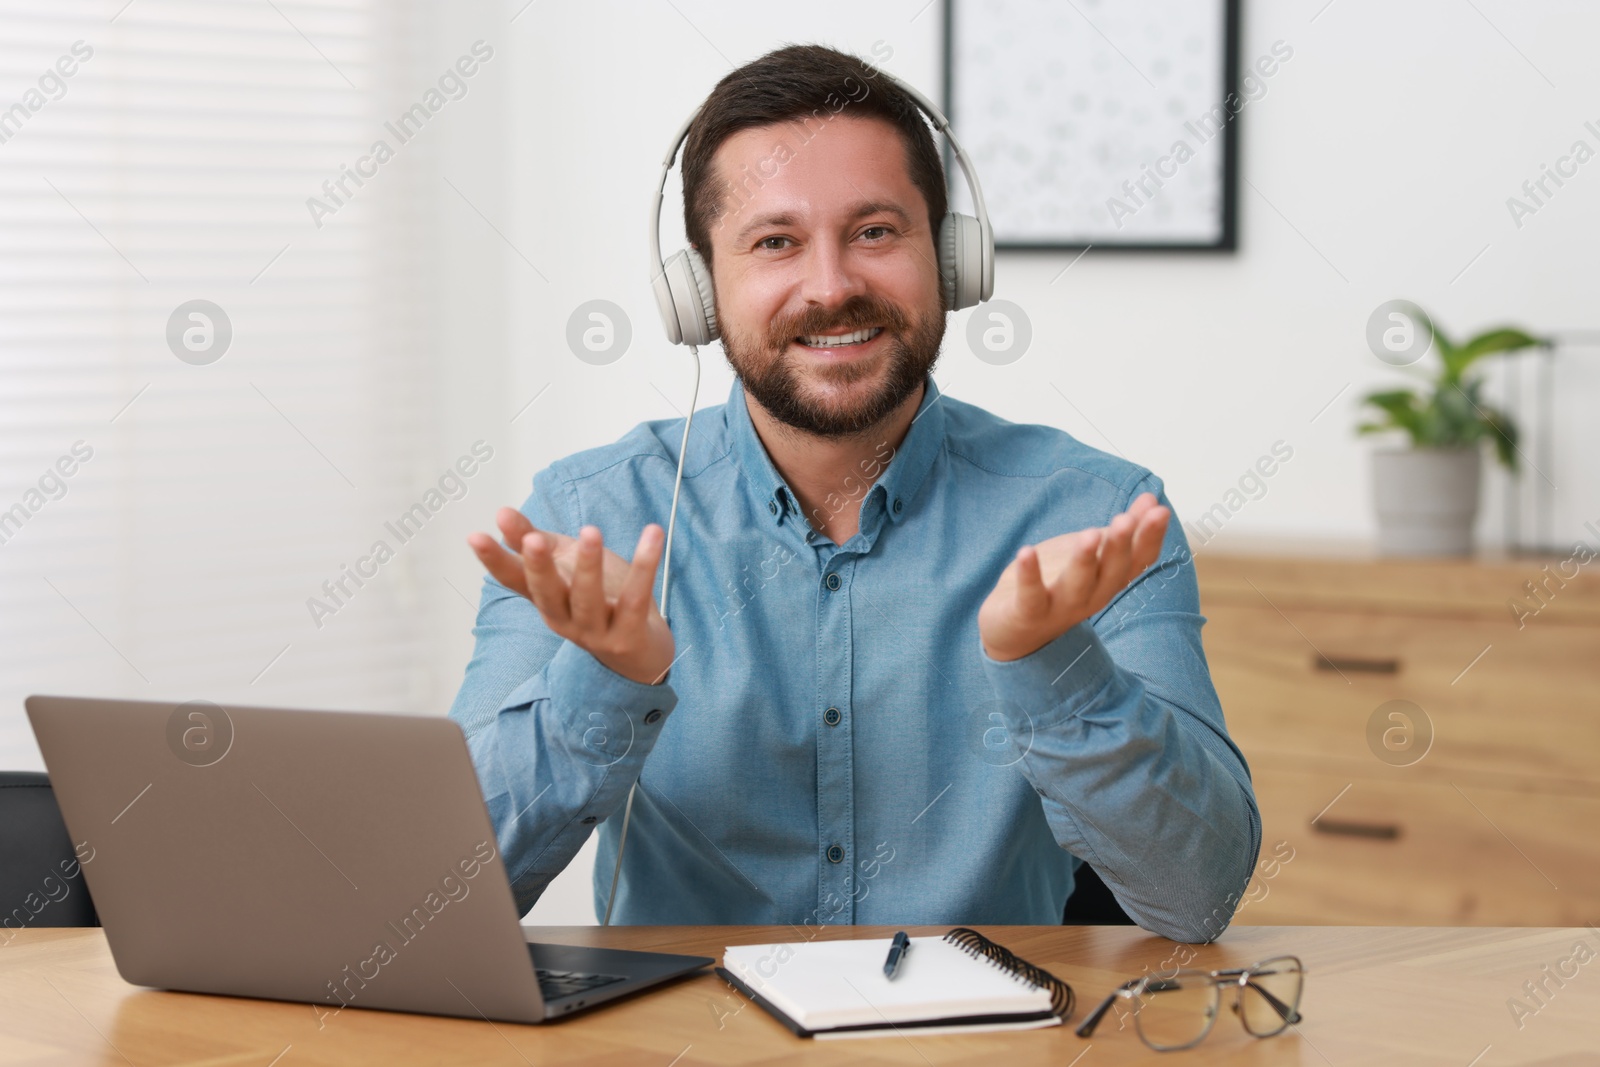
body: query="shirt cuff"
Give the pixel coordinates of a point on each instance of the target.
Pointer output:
(1051, 684)
(582, 691)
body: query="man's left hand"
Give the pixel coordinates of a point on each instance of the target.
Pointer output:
(1054, 585)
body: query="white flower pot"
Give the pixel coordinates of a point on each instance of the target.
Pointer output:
(1427, 500)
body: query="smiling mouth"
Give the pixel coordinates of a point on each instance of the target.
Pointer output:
(844, 340)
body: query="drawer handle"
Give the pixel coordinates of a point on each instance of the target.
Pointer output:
(1378, 831)
(1356, 663)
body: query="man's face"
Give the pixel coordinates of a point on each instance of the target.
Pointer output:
(834, 246)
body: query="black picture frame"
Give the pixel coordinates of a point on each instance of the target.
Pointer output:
(1227, 240)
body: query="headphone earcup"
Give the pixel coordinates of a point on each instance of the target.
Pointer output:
(708, 329)
(966, 261)
(686, 301)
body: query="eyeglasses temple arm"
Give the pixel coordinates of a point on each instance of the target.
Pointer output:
(1288, 1014)
(1105, 1005)
(1095, 1016)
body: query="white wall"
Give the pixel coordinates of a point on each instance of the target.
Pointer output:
(1378, 165)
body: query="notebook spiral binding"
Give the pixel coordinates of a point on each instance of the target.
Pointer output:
(980, 947)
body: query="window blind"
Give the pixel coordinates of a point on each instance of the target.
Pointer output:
(170, 507)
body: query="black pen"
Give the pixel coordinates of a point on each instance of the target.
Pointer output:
(897, 952)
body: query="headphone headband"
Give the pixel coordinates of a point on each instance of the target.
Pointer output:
(656, 265)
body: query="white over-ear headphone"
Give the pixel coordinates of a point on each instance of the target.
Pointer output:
(682, 283)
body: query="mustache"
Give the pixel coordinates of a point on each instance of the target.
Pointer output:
(857, 313)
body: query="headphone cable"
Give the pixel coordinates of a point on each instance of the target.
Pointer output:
(666, 574)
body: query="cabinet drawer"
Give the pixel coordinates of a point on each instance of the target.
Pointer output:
(1423, 854)
(1306, 682)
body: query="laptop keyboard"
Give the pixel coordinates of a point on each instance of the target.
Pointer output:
(555, 984)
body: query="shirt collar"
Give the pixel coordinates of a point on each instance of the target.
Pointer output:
(897, 487)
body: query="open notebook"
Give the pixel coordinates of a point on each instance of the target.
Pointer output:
(961, 982)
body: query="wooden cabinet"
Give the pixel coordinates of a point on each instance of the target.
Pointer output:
(1426, 752)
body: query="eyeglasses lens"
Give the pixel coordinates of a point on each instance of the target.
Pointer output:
(1270, 998)
(1177, 1011)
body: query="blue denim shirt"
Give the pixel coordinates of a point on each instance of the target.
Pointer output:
(832, 743)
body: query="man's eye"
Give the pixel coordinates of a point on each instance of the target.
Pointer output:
(763, 243)
(881, 230)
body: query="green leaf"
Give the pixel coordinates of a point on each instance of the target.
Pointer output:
(1505, 433)
(1391, 399)
(1488, 343)
(1455, 411)
(1441, 343)
(1400, 408)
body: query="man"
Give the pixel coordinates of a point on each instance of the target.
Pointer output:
(921, 661)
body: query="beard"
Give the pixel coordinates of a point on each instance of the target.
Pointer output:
(777, 380)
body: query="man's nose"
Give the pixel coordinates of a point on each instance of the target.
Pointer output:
(831, 275)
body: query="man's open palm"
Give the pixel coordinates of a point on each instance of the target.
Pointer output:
(1054, 585)
(585, 592)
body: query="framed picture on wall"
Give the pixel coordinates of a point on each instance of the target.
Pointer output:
(1104, 123)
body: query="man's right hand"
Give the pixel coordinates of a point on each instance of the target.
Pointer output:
(586, 593)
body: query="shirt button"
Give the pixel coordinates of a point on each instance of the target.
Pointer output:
(652, 716)
(897, 505)
(772, 506)
(835, 854)
(832, 581)
(831, 716)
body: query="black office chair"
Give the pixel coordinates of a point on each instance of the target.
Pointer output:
(1092, 903)
(40, 881)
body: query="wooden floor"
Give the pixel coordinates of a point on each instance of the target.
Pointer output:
(1374, 995)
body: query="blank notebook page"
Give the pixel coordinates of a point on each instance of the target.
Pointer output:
(826, 984)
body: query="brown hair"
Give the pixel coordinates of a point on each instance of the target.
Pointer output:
(805, 83)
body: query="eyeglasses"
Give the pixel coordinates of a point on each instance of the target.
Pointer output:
(1175, 1009)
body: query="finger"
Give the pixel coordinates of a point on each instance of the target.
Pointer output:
(634, 599)
(1141, 504)
(1033, 596)
(1114, 558)
(589, 608)
(549, 591)
(505, 567)
(514, 525)
(1148, 537)
(1076, 579)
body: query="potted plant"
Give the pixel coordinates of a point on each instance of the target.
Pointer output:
(1427, 494)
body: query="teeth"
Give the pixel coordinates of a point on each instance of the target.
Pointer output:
(817, 341)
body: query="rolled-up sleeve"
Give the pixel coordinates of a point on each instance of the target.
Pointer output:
(1127, 748)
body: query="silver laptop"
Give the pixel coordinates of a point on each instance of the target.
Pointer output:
(342, 859)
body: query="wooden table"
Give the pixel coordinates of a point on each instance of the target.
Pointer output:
(1374, 995)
